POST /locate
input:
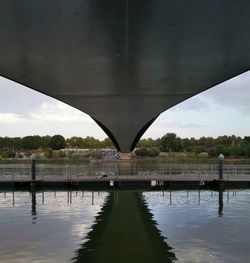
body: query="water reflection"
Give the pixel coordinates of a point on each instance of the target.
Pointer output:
(201, 226)
(220, 209)
(125, 226)
(33, 207)
(13, 198)
(55, 228)
(124, 232)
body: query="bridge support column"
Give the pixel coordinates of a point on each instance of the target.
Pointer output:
(125, 156)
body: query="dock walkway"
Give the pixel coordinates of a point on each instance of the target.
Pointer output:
(129, 181)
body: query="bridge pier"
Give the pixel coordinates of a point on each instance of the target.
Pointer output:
(125, 156)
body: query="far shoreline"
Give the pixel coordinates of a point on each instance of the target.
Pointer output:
(162, 160)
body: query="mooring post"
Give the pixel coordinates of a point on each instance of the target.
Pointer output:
(221, 160)
(33, 206)
(220, 209)
(33, 170)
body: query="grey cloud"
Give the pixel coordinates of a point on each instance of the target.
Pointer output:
(19, 99)
(234, 93)
(195, 103)
(166, 122)
(188, 125)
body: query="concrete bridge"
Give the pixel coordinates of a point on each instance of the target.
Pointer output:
(123, 62)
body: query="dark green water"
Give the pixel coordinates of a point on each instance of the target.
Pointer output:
(125, 226)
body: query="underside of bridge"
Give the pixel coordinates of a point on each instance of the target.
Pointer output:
(123, 62)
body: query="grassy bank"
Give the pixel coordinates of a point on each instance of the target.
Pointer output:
(45, 161)
(194, 160)
(169, 160)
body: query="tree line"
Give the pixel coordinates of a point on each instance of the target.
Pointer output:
(228, 145)
(55, 142)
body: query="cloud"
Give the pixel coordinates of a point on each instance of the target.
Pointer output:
(210, 113)
(198, 102)
(50, 118)
(10, 118)
(165, 122)
(19, 99)
(48, 112)
(233, 94)
(59, 112)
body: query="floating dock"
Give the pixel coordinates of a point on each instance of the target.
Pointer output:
(123, 183)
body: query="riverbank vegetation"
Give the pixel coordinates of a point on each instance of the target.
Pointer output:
(168, 146)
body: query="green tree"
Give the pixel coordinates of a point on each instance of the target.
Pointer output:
(31, 142)
(154, 151)
(224, 140)
(236, 151)
(170, 142)
(57, 142)
(45, 141)
(10, 143)
(48, 153)
(91, 143)
(75, 142)
(107, 143)
(246, 150)
(222, 149)
(142, 152)
(146, 143)
(96, 154)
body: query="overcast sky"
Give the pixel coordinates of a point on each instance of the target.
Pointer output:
(222, 110)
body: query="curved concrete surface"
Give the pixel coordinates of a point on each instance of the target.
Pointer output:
(123, 61)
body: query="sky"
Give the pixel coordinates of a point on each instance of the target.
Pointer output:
(221, 110)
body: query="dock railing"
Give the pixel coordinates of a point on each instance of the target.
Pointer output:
(200, 172)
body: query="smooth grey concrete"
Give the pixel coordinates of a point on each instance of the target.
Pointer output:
(123, 61)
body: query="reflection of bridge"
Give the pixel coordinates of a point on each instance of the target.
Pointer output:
(123, 61)
(125, 232)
